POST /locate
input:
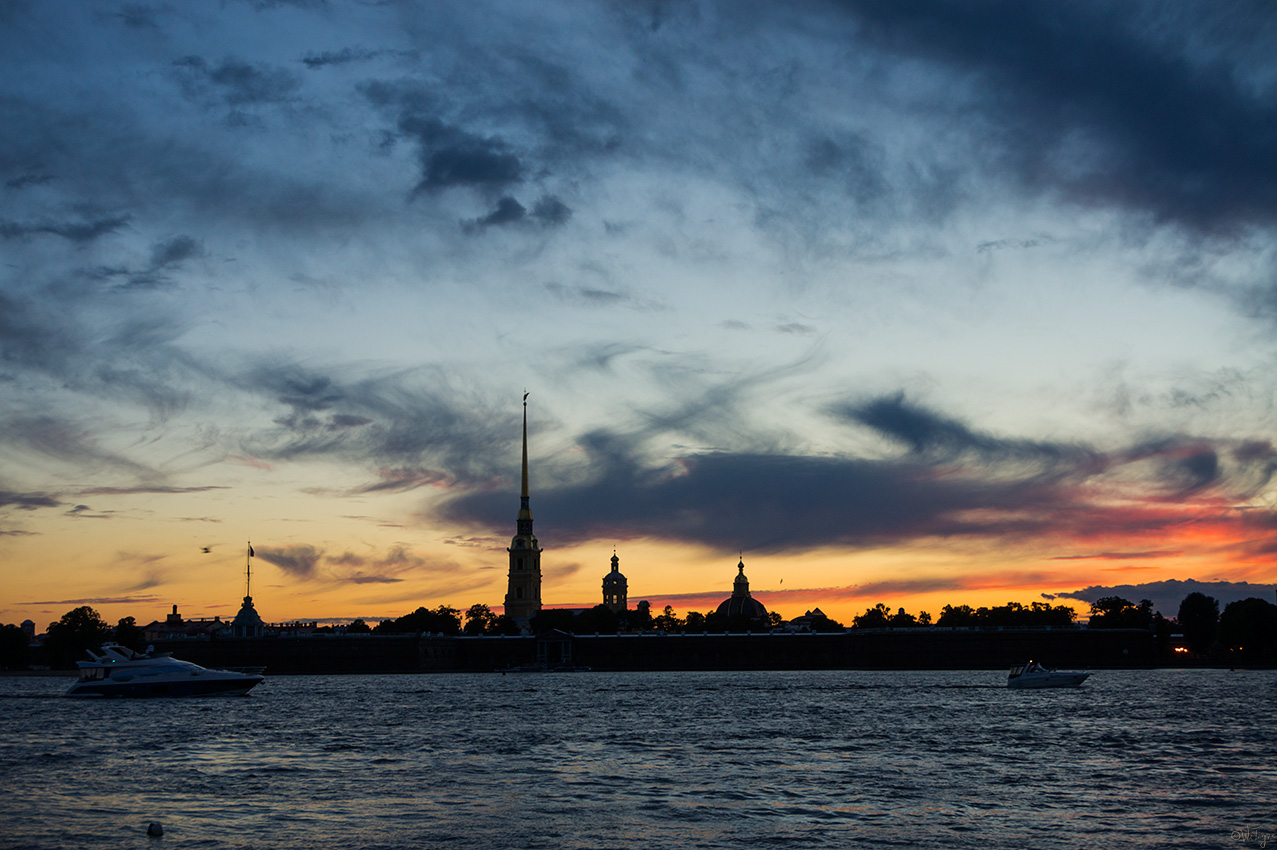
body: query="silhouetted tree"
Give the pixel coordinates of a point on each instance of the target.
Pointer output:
(442, 620)
(14, 654)
(902, 619)
(128, 634)
(479, 620)
(640, 619)
(1248, 628)
(549, 619)
(358, 627)
(1114, 612)
(667, 621)
(1199, 620)
(877, 617)
(79, 629)
(694, 623)
(505, 625)
(924, 619)
(961, 616)
(598, 620)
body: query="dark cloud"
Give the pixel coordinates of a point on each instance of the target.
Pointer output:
(1167, 595)
(72, 231)
(101, 600)
(27, 501)
(61, 440)
(85, 512)
(929, 433)
(549, 210)
(175, 250)
(508, 211)
(954, 482)
(236, 82)
(1005, 244)
(1152, 554)
(597, 296)
(769, 502)
(402, 479)
(1184, 465)
(351, 55)
(30, 179)
(138, 16)
(450, 156)
(1199, 469)
(1103, 102)
(148, 489)
(340, 57)
(346, 420)
(298, 561)
(854, 164)
(482, 164)
(131, 357)
(411, 422)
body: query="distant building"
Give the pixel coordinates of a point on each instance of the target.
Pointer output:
(740, 603)
(28, 629)
(174, 627)
(616, 588)
(296, 627)
(523, 597)
(812, 621)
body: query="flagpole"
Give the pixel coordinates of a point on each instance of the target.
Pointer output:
(248, 571)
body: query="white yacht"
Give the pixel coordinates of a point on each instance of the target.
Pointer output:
(117, 671)
(1034, 675)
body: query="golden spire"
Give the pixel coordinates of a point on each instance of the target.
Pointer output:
(524, 511)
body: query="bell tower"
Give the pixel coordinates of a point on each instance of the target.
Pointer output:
(615, 587)
(523, 598)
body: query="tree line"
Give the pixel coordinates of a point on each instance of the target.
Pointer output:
(1245, 630)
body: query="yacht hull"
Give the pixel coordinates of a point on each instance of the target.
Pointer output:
(194, 688)
(1057, 680)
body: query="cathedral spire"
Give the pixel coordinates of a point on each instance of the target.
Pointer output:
(524, 511)
(523, 599)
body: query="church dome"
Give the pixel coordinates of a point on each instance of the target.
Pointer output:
(248, 623)
(740, 603)
(615, 577)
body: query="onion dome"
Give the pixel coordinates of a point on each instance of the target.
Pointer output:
(740, 603)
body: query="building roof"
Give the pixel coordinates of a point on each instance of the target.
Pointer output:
(615, 576)
(740, 603)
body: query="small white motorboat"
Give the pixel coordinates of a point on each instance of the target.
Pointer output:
(1034, 675)
(117, 671)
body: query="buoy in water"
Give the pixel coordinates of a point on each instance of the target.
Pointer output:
(155, 830)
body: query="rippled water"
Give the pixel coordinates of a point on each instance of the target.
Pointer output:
(658, 760)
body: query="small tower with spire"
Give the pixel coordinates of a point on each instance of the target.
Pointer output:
(247, 623)
(616, 587)
(523, 598)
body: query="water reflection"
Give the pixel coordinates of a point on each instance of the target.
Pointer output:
(826, 759)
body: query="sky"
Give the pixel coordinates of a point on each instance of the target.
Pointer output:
(898, 301)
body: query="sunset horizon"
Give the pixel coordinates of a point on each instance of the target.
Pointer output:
(919, 304)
